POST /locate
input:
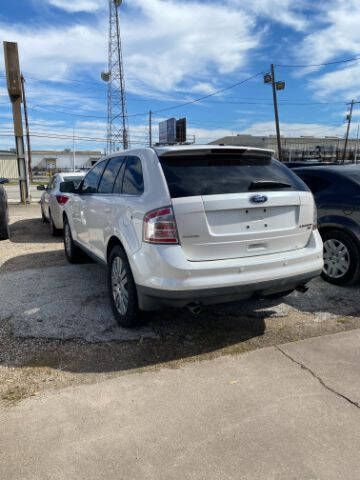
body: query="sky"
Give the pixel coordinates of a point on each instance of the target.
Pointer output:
(175, 52)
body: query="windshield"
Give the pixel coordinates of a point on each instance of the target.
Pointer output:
(76, 180)
(214, 174)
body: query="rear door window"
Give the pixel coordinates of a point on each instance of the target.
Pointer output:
(218, 173)
(110, 173)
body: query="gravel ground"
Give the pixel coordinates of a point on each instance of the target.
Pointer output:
(56, 326)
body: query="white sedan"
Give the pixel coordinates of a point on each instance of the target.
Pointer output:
(52, 201)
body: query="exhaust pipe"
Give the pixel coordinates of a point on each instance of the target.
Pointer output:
(194, 308)
(302, 288)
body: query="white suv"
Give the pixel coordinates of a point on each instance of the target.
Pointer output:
(193, 225)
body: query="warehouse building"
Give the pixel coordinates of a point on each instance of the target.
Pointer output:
(297, 148)
(48, 161)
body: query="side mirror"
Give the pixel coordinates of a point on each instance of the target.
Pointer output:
(41, 187)
(4, 180)
(67, 187)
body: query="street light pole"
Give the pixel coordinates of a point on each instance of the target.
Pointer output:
(150, 128)
(349, 117)
(270, 78)
(276, 112)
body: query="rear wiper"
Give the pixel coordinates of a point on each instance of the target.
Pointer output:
(266, 184)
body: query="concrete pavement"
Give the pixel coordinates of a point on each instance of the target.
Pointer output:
(13, 193)
(288, 412)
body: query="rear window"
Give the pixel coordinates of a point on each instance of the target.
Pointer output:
(76, 180)
(214, 174)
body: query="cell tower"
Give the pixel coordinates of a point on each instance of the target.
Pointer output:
(117, 121)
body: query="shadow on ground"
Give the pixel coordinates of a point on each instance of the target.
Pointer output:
(32, 230)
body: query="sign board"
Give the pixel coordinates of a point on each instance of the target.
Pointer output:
(12, 68)
(167, 131)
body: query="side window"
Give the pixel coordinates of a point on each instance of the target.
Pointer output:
(133, 183)
(110, 174)
(316, 184)
(90, 182)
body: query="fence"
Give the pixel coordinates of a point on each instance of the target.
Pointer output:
(8, 168)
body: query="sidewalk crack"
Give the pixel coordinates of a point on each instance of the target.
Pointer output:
(319, 379)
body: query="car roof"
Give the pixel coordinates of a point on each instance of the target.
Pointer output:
(330, 168)
(71, 174)
(178, 149)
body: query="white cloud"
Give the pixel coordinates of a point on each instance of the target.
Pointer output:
(165, 43)
(343, 81)
(335, 35)
(74, 6)
(336, 31)
(52, 51)
(287, 12)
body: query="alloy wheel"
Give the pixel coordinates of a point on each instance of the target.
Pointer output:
(336, 258)
(119, 283)
(67, 239)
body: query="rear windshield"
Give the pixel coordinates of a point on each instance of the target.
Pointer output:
(76, 180)
(211, 174)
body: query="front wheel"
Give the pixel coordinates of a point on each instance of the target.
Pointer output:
(122, 289)
(341, 258)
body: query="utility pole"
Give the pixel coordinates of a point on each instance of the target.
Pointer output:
(276, 111)
(349, 117)
(270, 78)
(14, 87)
(150, 128)
(73, 150)
(26, 126)
(357, 144)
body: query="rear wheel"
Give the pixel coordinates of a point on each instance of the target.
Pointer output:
(122, 289)
(44, 219)
(341, 258)
(55, 232)
(72, 252)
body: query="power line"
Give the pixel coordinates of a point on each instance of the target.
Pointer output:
(319, 64)
(210, 94)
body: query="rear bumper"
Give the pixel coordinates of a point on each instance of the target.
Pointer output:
(153, 299)
(164, 277)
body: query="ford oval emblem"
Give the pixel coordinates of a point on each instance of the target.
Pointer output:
(259, 199)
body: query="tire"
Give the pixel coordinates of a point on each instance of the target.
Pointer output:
(55, 232)
(123, 295)
(43, 218)
(341, 258)
(4, 229)
(72, 252)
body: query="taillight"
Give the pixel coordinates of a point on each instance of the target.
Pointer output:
(160, 226)
(62, 199)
